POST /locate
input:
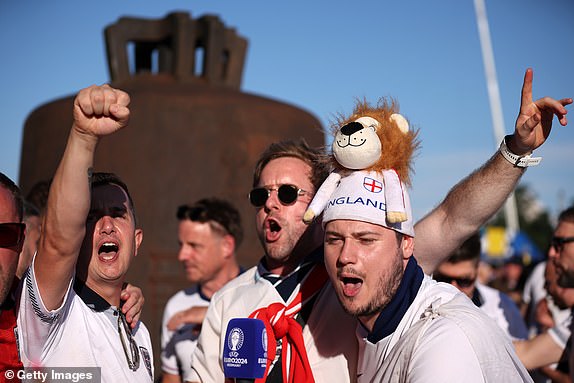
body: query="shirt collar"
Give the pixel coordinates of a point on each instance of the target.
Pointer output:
(90, 297)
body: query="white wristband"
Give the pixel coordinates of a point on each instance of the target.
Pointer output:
(518, 161)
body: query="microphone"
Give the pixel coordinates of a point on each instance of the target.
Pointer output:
(245, 350)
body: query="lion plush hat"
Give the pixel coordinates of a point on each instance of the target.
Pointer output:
(376, 140)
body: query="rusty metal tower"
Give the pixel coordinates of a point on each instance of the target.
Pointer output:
(192, 134)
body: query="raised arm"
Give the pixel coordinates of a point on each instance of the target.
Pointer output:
(470, 203)
(98, 111)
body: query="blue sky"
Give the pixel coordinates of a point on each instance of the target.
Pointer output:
(320, 55)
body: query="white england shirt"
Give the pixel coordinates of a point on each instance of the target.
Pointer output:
(177, 346)
(82, 332)
(328, 335)
(442, 337)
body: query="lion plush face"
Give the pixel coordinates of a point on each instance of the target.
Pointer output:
(374, 139)
(357, 145)
(374, 143)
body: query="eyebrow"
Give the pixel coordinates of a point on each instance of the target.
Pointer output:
(353, 234)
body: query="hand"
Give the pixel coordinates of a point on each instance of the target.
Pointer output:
(192, 315)
(100, 110)
(543, 315)
(133, 301)
(534, 120)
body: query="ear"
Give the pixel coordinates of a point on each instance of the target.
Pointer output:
(407, 246)
(228, 245)
(138, 238)
(401, 122)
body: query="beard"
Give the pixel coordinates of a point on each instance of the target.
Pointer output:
(295, 243)
(6, 281)
(5, 287)
(566, 278)
(385, 289)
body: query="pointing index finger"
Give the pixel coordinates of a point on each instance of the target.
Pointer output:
(526, 98)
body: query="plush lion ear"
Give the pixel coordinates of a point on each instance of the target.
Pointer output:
(401, 122)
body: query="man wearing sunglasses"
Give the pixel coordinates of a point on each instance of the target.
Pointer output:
(70, 313)
(551, 345)
(460, 269)
(562, 254)
(285, 180)
(11, 240)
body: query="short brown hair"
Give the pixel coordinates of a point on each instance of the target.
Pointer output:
(221, 216)
(567, 215)
(298, 148)
(469, 251)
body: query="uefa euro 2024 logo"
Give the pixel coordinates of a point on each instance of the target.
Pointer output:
(264, 340)
(235, 341)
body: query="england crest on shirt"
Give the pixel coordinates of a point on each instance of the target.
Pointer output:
(147, 360)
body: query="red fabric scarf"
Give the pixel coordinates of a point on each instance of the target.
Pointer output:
(280, 321)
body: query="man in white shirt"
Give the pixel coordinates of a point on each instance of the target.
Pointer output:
(548, 348)
(461, 270)
(285, 179)
(70, 314)
(209, 233)
(411, 328)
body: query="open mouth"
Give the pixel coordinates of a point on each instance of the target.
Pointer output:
(108, 251)
(351, 285)
(272, 229)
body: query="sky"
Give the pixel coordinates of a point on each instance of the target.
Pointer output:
(321, 55)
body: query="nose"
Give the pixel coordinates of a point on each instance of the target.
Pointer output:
(106, 224)
(351, 128)
(273, 200)
(347, 255)
(552, 252)
(183, 254)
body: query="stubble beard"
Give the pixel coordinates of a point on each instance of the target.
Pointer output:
(281, 252)
(5, 287)
(386, 288)
(566, 278)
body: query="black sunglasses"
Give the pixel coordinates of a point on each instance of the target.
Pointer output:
(11, 234)
(286, 193)
(129, 345)
(559, 242)
(461, 282)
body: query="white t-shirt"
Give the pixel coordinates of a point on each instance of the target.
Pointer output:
(561, 331)
(177, 346)
(442, 337)
(82, 332)
(328, 334)
(532, 293)
(502, 309)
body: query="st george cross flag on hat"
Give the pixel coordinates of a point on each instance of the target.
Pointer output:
(363, 196)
